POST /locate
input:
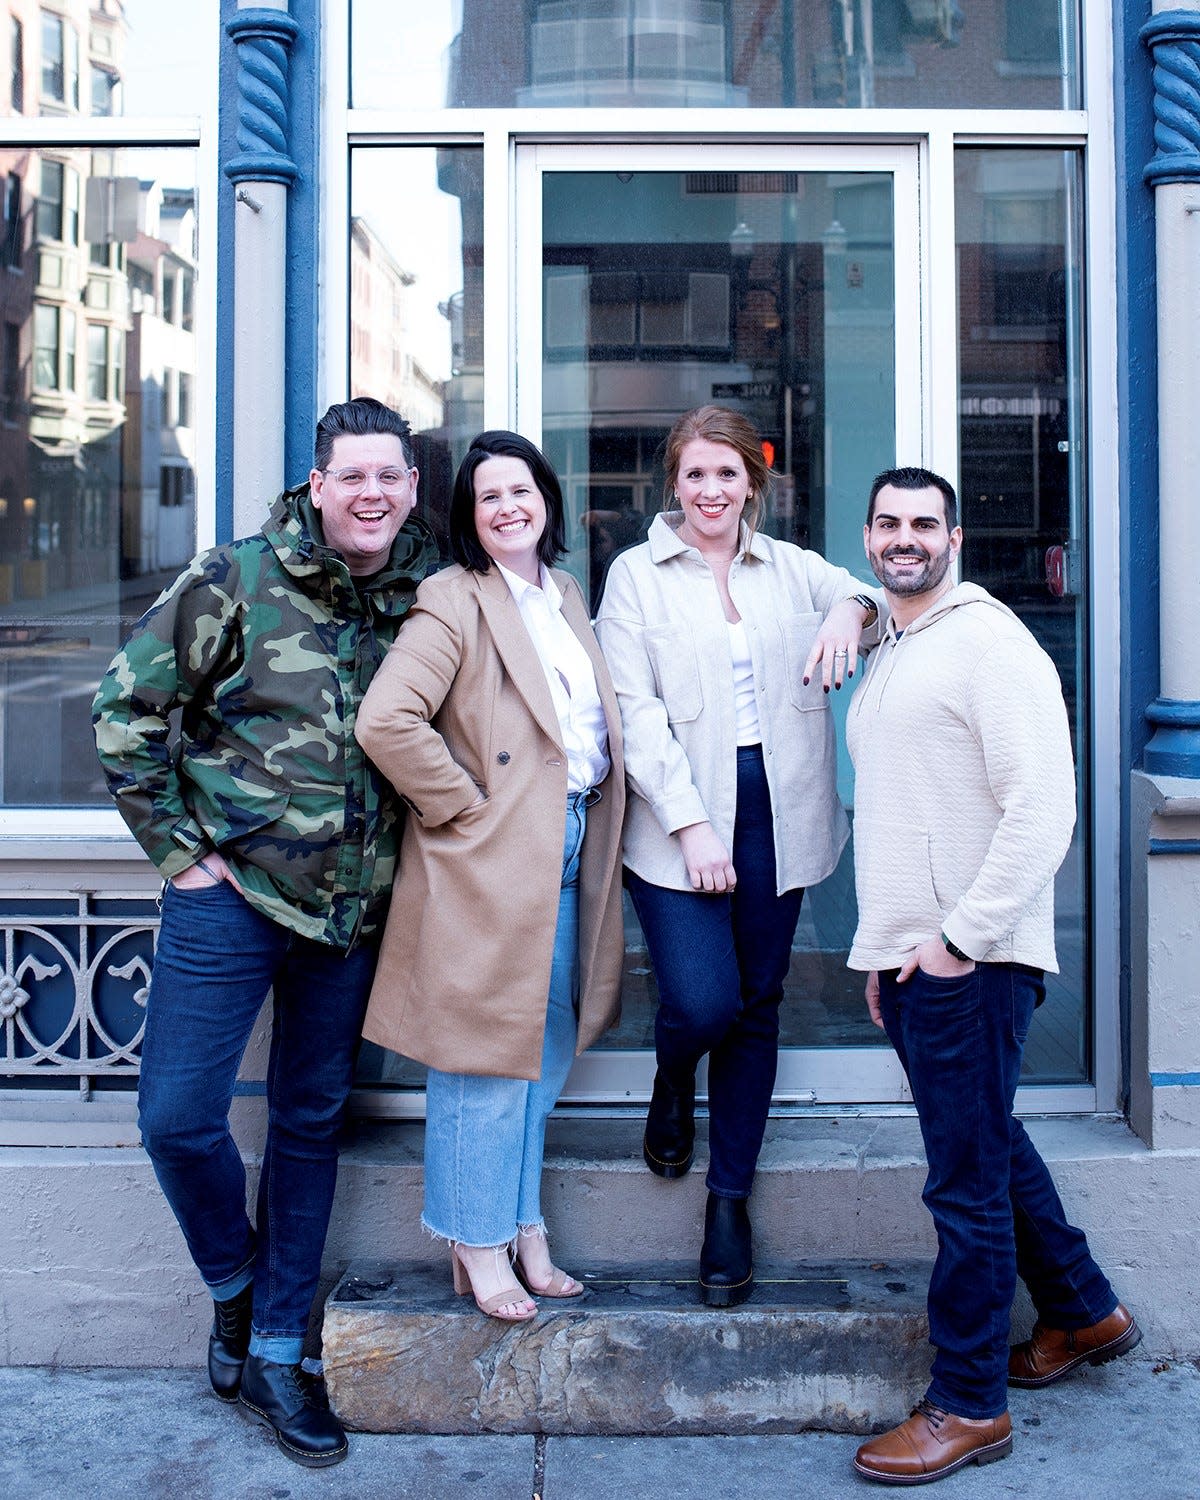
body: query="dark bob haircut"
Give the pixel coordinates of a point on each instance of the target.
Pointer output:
(465, 546)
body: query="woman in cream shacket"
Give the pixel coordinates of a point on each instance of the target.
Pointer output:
(723, 645)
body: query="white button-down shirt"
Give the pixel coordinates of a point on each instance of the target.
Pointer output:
(570, 676)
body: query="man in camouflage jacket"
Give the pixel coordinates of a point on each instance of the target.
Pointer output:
(277, 843)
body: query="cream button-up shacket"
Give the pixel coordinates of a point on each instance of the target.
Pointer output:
(964, 797)
(663, 632)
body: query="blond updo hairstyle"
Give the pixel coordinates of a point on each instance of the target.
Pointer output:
(718, 424)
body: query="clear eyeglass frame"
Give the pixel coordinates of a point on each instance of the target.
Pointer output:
(354, 480)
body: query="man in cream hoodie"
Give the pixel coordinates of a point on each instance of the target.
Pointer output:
(964, 808)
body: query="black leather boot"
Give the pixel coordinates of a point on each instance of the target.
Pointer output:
(727, 1255)
(228, 1342)
(670, 1140)
(293, 1402)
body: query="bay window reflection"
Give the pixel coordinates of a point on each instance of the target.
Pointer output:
(856, 54)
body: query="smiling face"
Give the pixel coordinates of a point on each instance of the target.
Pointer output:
(510, 515)
(712, 485)
(910, 549)
(362, 523)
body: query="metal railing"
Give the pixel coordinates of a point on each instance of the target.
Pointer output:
(73, 986)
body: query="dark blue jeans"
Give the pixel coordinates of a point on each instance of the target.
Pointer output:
(216, 960)
(993, 1202)
(720, 963)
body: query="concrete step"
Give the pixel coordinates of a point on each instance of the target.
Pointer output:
(838, 1347)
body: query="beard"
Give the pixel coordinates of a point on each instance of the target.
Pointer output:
(909, 581)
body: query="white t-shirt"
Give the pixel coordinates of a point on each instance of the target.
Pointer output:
(745, 703)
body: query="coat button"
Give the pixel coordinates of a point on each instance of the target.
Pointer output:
(504, 757)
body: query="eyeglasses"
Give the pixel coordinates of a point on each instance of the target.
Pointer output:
(354, 481)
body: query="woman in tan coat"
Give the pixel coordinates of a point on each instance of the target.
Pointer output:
(494, 718)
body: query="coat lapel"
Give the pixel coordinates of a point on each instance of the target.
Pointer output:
(516, 650)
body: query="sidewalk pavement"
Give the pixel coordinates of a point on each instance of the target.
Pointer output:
(1128, 1431)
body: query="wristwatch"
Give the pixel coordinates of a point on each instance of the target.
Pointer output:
(869, 605)
(956, 952)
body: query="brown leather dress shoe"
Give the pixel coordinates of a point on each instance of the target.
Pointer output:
(931, 1444)
(1050, 1353)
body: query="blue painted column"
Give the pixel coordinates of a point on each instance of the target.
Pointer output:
(1173, 37)
(1164, 1081)
(262, 171)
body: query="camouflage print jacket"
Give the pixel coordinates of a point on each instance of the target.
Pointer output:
(266, 647)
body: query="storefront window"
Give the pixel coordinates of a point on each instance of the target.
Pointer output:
(1022, 478)
(416, 299)
(86, 539)
(855, 54)
(85, 544)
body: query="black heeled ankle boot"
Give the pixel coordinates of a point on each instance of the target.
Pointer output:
(228, 1343)
(670, 1140)
(727, 1255)
(294, 1403)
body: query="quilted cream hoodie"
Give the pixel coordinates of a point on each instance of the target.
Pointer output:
(964, 788)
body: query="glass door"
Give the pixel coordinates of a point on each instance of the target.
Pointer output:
(782, 281)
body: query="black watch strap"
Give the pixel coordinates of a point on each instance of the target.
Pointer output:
(869, 605)
(956, 952)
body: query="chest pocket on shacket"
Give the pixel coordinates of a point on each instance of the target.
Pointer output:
(672, 652)
(799, 631)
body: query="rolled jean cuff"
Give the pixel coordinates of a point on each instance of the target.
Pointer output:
(961, 1406)
(735, 1195)
(277, 1348)
(222, 1291)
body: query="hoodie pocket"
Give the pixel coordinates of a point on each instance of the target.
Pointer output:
(897, 904)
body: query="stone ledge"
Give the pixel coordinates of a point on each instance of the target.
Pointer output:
(841, 1348)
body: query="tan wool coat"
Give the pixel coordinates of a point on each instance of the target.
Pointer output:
(461, 705)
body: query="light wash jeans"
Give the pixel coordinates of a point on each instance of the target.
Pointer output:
(485, 1137)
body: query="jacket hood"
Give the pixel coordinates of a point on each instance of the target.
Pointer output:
(962, 596)
(293, 532)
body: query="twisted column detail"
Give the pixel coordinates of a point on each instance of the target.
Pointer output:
(264, 39)
(1173, 37)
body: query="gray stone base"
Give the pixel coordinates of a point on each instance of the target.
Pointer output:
(839, 1348)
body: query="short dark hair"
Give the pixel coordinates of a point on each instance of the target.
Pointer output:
(358, 418)
(465, 546)
(913, 478)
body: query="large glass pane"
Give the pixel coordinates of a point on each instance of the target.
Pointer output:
(168, 66)
(771, 292)
(1005, 54)
(416, 340)
(111, 57)
(1021, 400)
(416, 299)
(86, 538)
